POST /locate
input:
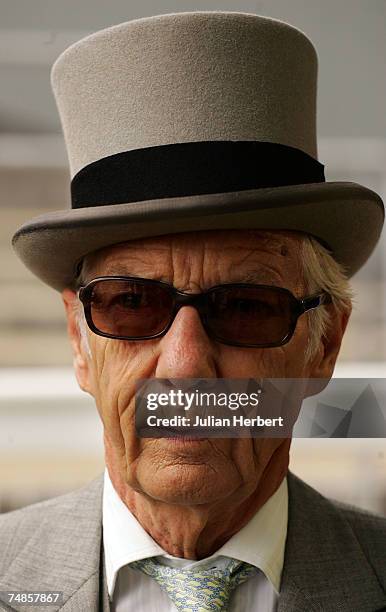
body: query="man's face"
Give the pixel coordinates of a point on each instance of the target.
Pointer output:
(201, 471)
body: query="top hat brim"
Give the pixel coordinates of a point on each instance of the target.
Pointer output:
(346, 218)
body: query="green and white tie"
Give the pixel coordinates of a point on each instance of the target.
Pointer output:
(197, 590)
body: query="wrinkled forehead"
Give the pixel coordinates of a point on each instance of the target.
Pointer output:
(233, 248)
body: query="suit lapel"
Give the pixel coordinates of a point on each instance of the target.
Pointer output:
(63, 553)
(93, 594)
(104, 602)
(317, 575)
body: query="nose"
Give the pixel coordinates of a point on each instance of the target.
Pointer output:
(186, 351)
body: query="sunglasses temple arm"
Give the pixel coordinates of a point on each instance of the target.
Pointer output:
(314, 301)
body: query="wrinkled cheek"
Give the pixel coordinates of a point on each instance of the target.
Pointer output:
(248, 459)
(272, 363)
(115, 374)
(121, 443)
(287, 361)
(296, 349)
(116, 406)
(131, 442)
(264, 449)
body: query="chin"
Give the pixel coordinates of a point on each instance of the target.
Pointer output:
(186, 485)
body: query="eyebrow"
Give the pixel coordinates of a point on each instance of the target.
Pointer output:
(114, 270)
(259, 275)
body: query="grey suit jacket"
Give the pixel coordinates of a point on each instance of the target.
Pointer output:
(335, 557)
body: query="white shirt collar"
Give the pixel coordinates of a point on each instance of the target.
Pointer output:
(260, 542)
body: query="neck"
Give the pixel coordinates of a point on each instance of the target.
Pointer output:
(196, 532)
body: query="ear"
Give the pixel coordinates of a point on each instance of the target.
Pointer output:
(323, 364)
(81, 362)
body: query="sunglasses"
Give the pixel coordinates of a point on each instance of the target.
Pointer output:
(237, 314)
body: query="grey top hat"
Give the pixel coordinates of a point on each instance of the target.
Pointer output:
(193, 121)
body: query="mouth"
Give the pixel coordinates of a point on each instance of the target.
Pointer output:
(183, 433)
(203, 432)
(184, 440)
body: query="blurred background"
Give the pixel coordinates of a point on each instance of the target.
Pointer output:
(50, 435)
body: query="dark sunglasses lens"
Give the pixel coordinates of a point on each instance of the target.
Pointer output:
(130, 308)
(251, 315)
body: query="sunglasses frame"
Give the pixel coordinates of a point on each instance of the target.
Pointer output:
(181, 298)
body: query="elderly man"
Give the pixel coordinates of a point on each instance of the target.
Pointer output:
(191, 140)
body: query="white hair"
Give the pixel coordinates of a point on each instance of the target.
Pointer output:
(321, 272)
(82, 326)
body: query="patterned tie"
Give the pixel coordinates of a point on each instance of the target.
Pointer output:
(197, 590)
